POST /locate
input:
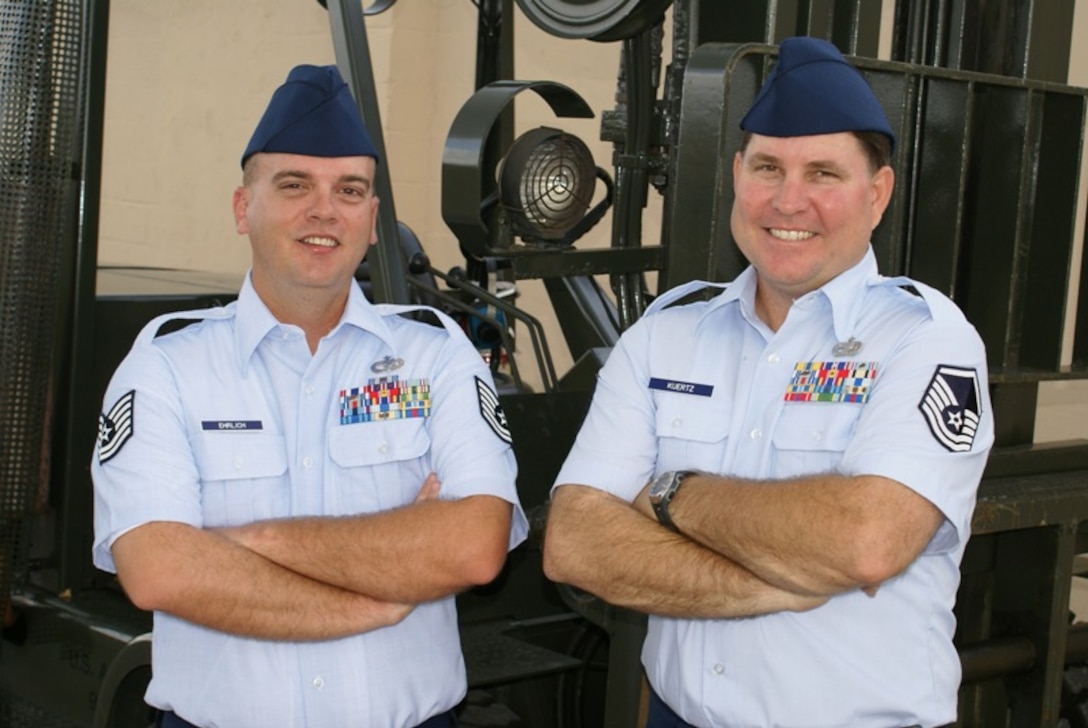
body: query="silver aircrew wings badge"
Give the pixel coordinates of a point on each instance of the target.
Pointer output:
(387, 364)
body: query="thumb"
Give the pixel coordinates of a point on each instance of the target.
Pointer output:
(429, 489)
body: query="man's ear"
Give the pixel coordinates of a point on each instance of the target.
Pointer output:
(240, 203)
(374, 222)
(883, 184)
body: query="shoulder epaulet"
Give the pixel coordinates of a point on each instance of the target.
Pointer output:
(406, 309)
(941, 307)
(155, 327)
(678, 293)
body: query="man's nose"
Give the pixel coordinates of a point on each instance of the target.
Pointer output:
(791, 196)
(321, 205)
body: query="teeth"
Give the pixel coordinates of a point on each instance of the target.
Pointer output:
(323, 242)
(791, 234)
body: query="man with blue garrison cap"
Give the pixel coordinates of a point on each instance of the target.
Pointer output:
(783, 476)
(299, 482)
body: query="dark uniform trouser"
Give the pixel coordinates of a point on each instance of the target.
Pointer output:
(662, 716)
(173, 720)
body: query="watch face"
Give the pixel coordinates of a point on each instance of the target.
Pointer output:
(660, 486)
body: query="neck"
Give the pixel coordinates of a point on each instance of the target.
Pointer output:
(314, 313)
(771, 309)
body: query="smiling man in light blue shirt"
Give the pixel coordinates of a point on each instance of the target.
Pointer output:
(299, 483)
(783, 476)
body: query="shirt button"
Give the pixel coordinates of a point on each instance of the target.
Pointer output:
(309, 391)
(817, 435)
(756, 434)
(719, 669)
(307, 461)
(318, 683)
(239, 462)
(383, 448)
(773, 359)
(677, 422)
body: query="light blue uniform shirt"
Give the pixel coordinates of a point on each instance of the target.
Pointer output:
(232, 421)
(709, 387)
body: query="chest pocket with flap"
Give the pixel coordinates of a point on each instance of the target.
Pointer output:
(692, 432)
(378, 465)
(243, 477)
(810, 437)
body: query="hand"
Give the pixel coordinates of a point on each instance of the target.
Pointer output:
(429, 489)
(807, 603)
(394, 612)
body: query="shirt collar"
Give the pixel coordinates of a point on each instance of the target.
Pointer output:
(743, 289)
(363, 314)
(254, 321)
(845, 293)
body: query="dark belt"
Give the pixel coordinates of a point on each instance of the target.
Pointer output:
(173, 720)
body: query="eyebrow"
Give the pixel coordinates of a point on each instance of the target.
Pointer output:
(760, 157)
(298, 174)
(284, 174)
(357, 179)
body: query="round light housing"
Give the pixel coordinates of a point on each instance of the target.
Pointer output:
(546, 184)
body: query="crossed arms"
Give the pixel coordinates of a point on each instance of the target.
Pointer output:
(316, 578)
(745, 547)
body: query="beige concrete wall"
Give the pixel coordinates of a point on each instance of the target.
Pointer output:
(188, 80)
(186, 83)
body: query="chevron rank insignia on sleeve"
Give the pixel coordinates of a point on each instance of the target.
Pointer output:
(115, 427)
(492, 411)
(951, 407)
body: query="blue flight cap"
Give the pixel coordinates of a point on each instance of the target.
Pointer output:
(312, 113)
(813, 90)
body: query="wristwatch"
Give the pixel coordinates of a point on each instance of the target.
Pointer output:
(662, 490)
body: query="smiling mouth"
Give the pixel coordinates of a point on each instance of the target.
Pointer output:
(792, 235)
(321, 242)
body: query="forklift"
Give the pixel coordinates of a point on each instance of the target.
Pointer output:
(985, 209)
